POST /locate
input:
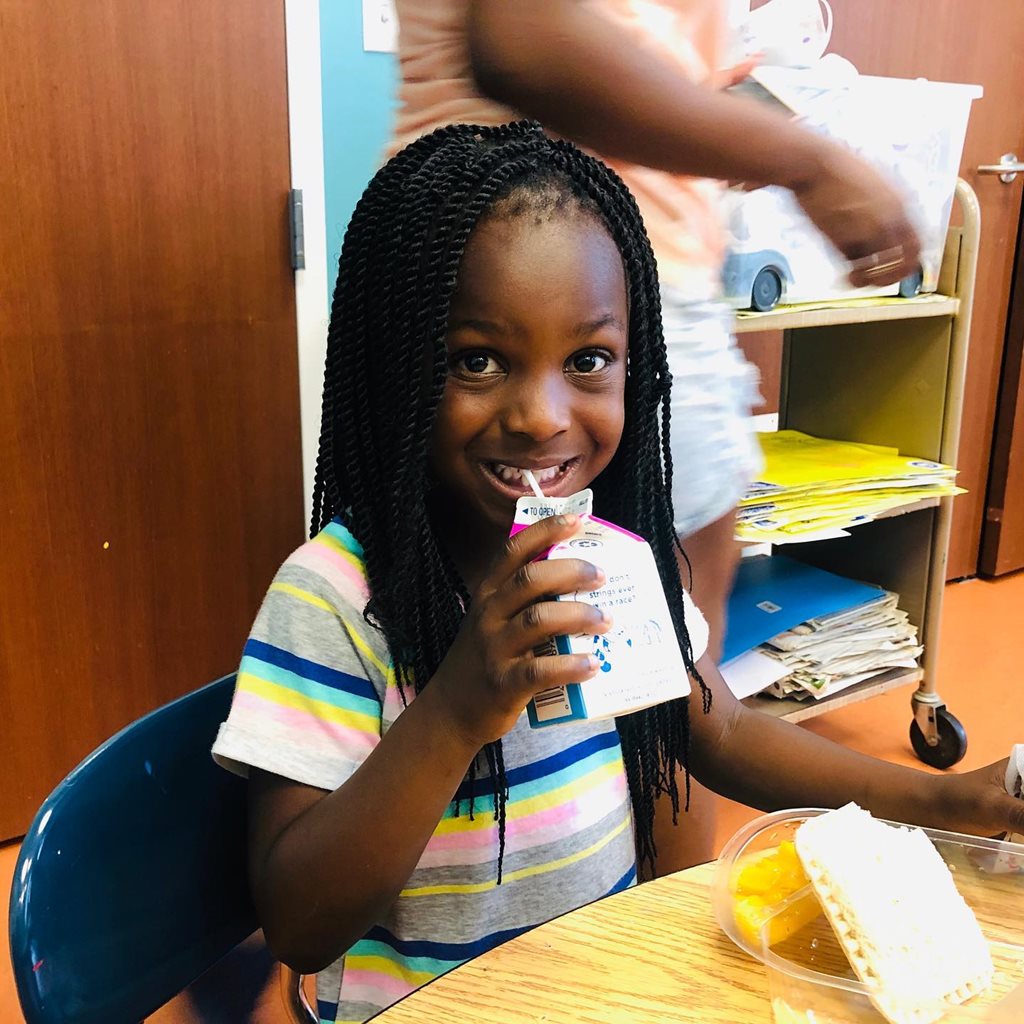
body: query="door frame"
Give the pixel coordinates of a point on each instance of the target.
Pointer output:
(305, 126)
(1004, 455)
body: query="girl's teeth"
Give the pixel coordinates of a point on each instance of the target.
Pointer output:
(514, 475)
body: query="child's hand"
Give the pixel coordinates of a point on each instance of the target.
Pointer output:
(977, 802)
(863, 215)
(490, 673)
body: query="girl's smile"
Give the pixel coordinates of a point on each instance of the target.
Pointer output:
(553, 477)
(537, 347)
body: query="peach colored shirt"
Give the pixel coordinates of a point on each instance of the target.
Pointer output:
(681, 213)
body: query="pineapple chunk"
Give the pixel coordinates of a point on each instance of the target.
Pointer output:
(761, 884)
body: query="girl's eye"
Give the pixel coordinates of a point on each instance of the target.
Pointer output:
(476, 364)
(588, 362)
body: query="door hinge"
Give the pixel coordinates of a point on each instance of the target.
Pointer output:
(298, 237)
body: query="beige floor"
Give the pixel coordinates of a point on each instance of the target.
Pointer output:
(980, 678)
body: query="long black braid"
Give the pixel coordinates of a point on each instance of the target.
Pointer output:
(385, 374)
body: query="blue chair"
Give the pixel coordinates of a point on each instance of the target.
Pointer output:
(132, 881)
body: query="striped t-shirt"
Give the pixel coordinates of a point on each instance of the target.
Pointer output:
(315, 692)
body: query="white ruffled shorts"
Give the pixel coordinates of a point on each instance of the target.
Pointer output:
(715, 453)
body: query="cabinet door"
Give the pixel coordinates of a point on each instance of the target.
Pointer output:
(956, 41)
(150, 473)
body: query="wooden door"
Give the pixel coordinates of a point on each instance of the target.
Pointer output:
(150, 477)
(961, 41)
(1002, 536)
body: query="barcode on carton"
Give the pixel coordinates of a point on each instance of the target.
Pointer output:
(553, 703)
(546, 649)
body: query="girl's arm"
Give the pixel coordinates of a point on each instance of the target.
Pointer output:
(771, 764)
(571, 69)
(325, 867)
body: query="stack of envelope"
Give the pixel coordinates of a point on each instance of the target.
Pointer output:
(813, 488)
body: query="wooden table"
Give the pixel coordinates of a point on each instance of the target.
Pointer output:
(651, 955)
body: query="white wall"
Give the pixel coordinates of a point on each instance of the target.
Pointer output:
(302, 25)
(340, 100)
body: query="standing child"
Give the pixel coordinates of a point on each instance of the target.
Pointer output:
(641, 84)
(497, 310)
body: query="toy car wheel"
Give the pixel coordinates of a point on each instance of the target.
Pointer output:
(766, 290)
(911, 284)
(952, 743)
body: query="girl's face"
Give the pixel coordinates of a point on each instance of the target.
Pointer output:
(537, 345)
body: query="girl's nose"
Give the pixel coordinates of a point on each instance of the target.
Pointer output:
(539, 410)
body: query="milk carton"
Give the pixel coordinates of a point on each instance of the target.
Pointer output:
(641, 663)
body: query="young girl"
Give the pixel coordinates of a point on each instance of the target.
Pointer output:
(497, 310)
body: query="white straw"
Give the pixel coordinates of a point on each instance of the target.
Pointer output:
(532, 481)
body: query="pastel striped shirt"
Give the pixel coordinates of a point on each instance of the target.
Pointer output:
(316, 691)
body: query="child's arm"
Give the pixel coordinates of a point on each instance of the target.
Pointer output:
(771, 764)
(324, 866)
(571, 69)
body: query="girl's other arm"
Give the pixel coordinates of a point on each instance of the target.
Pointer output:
(568, 67)
(771, 764)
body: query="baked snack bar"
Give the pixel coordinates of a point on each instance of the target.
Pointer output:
(891, 900)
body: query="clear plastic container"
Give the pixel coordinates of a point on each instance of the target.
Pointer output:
(810, 978)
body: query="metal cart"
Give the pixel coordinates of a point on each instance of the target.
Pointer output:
(889, 374)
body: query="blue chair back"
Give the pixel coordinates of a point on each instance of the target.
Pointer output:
(132, 879)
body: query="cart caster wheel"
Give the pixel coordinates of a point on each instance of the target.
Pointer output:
(952, 743)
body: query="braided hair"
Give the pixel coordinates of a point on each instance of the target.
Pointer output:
(385, 373)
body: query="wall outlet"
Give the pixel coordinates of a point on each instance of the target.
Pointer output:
(380, 26)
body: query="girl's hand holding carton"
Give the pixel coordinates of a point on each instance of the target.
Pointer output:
(490, 672)
(638, 658)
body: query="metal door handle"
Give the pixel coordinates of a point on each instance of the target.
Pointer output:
(1008, 168)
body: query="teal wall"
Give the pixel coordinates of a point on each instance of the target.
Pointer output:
(358, 99)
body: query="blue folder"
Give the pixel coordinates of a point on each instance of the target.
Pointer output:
(773, 593)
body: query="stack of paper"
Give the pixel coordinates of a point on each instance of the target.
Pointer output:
(823, 656)
(813, 488)
(795, 630)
